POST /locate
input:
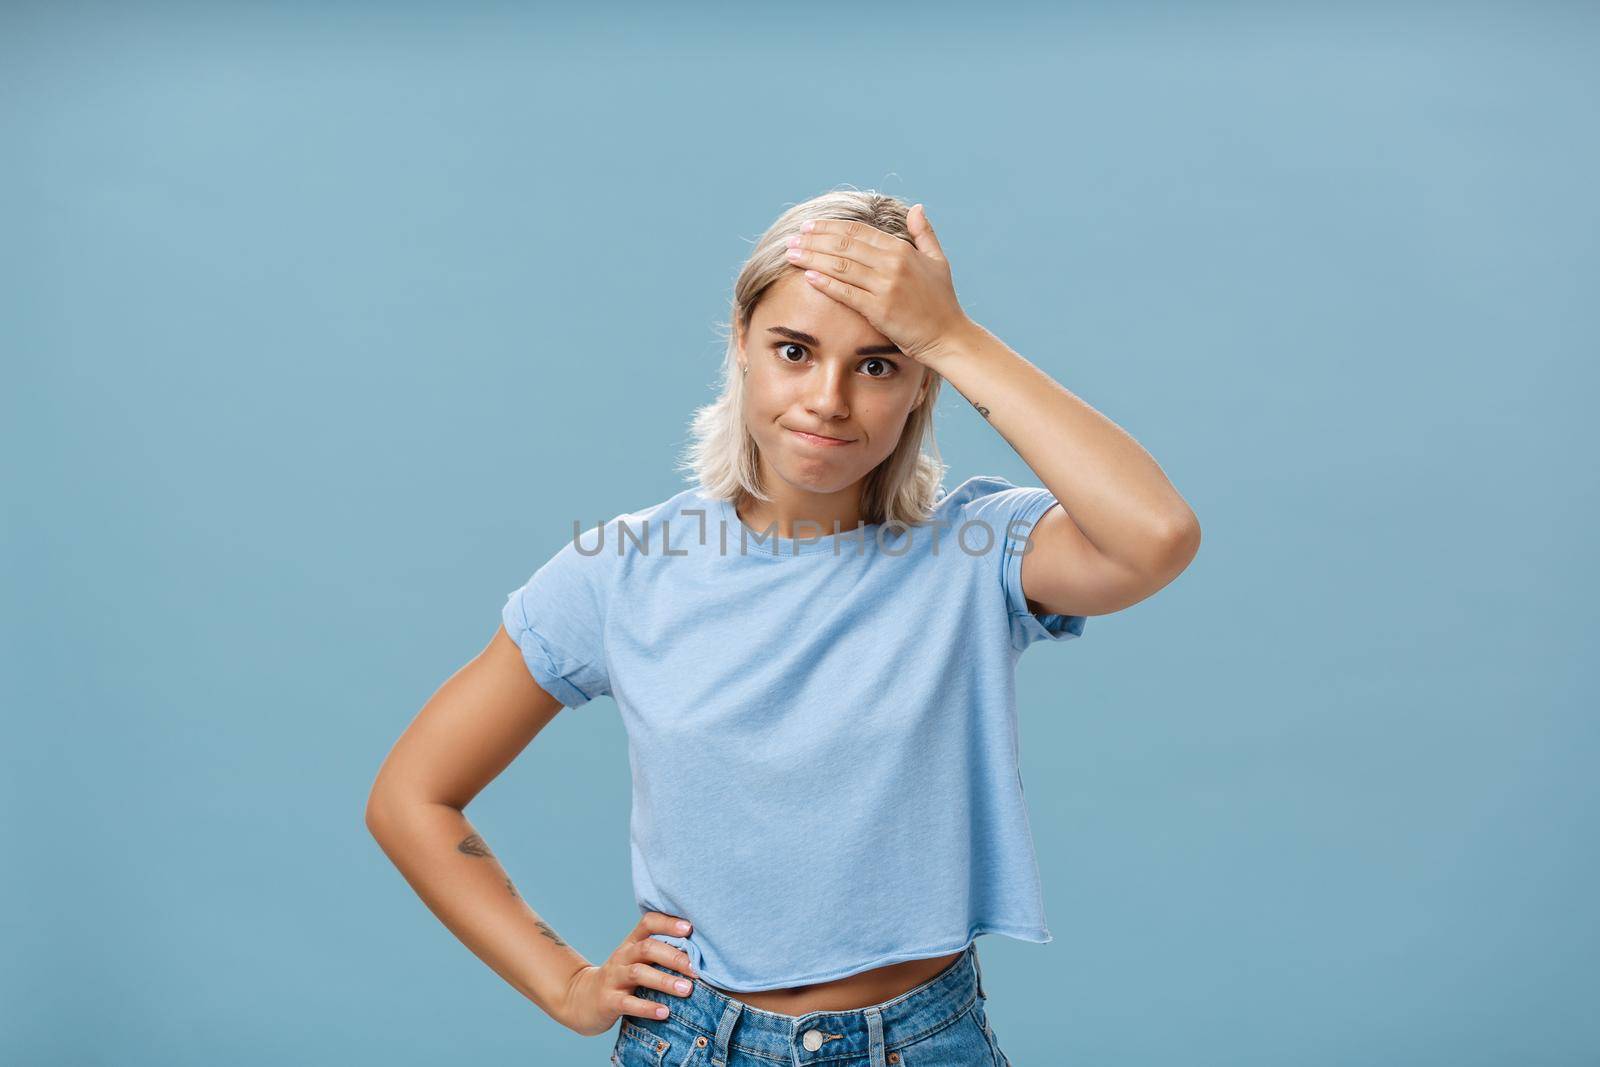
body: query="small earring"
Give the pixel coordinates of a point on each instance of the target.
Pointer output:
(745, 369)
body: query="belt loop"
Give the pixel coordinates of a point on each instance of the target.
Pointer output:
(978, 967)
(730, 1015)
(875, 1037)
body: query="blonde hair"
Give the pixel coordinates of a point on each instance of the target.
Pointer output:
(723, 456)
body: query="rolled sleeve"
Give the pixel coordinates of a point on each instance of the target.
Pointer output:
(557, 619)
(1026, 626)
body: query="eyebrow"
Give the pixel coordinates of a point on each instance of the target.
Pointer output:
(807, 339)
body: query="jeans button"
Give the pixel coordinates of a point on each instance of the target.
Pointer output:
(812, 1040)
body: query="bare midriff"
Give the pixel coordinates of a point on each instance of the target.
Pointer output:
(848, 993)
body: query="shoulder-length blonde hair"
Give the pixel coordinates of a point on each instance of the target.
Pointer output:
(723, 456)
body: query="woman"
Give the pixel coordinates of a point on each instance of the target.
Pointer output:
(813, 650)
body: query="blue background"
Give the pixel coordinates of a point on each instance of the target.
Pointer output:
(323, 322)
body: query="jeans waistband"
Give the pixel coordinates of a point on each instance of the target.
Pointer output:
(825, 1036)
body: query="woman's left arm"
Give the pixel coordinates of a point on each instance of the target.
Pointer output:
(1122, 532)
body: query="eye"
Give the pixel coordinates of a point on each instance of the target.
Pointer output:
(889, 367)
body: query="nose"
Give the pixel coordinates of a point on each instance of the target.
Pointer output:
(826, 399)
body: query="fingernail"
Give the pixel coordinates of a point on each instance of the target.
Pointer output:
(683, 987)
(683, 925)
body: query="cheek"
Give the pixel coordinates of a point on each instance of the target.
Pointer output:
(768, 400)
(886, 424)
(885, 417)
(762, 408)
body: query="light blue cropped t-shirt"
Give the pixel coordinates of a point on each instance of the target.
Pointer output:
(822, 730)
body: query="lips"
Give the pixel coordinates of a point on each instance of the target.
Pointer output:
(819, 439)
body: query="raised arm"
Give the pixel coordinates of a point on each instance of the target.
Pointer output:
(1122, 531)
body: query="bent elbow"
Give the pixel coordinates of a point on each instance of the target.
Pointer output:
(377, 813)
(1187, 535)
(1180, 542)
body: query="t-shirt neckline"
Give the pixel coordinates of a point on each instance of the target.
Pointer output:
(756, 545)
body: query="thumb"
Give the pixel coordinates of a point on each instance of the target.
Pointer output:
(922, 232)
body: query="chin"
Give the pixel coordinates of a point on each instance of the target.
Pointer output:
(821, 481)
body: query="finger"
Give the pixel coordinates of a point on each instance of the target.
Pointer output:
(838, 255)
(844, 292)
(644, 1009)
(848, 237)
(922, 234)
(862, 275)
(641, 973)
(657, 922)
(664, 954)
(858, 232)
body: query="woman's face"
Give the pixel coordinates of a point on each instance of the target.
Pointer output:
(818, 366)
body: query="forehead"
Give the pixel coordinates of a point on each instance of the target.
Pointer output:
(794, 302)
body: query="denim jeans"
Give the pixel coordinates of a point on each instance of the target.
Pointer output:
(941, 1022)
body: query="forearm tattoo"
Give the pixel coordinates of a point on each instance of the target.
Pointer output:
(474, 845)
(544, 928)
(981, 409)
